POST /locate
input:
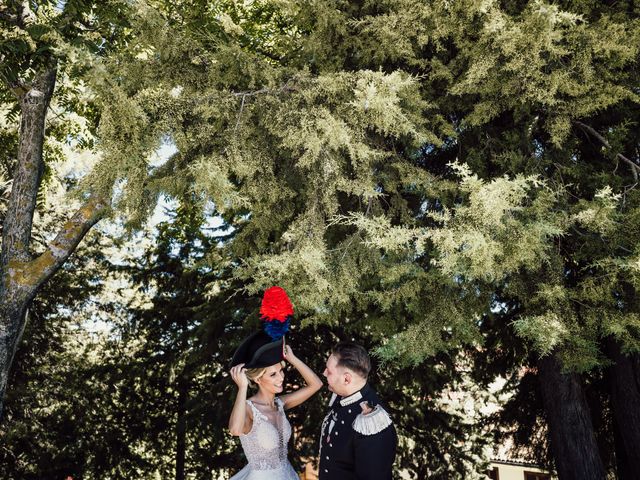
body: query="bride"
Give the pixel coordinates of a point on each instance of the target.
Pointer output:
(260, 421)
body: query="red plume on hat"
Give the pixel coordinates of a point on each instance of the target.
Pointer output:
(276, 312)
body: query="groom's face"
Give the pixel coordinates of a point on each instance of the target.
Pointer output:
(335, 376)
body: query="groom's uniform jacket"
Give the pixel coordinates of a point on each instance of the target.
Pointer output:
(354, 446)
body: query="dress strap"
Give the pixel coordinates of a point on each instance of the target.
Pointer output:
(256, 413)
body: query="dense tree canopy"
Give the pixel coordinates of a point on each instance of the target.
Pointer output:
(433, 177)
(455, 155)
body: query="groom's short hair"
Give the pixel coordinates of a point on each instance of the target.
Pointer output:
(352, 356)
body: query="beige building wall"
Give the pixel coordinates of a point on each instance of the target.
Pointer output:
(515, 472)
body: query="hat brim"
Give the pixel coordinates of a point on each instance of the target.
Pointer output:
(265, 351)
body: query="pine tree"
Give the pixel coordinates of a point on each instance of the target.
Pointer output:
(432, 154)
(405, 168)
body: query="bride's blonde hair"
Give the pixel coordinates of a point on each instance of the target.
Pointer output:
(254, 374)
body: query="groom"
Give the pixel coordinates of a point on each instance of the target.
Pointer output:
(357, 440)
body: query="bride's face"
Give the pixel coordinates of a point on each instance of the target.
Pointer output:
(272, 379)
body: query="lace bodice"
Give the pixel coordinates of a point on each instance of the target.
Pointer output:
(265, 446)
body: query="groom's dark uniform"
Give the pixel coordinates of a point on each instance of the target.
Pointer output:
(354, 446)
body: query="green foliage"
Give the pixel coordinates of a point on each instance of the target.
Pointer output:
(55, 406)
(545, 331)
(446, 160)
(405, 169)
(113, 406)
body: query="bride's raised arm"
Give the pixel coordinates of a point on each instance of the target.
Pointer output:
(240, 421)
(313, 382)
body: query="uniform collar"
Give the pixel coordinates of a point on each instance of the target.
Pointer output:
(354, 397)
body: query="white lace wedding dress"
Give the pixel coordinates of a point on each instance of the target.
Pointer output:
(265, 447)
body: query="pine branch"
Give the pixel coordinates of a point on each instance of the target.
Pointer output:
(25, 14)
(286, 87)
(635, 168)
(22, 17)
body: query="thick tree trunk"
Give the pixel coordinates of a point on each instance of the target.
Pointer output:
(20, 282)
(15, 293)
(624, 388)
(16, 233)
(181, 432)
(623, 470)
(21, 275)
(573, 439)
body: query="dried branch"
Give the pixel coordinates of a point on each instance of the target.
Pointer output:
(635, 168)
(251, 93)
(244, 97)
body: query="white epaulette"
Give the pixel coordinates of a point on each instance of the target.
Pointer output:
(373, 422)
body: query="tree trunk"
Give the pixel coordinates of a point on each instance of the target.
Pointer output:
(623, 470)
(624, 388)
(21, 275)
(15, 293)
(181, 432)
(16, 231)
(12, 323)
(573, 440)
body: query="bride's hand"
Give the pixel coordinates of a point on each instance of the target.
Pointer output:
(289, 356)
(238, 375)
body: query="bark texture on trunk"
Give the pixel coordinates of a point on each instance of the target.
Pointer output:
(21, 275)
(16, 232)
(573, 439)
(624, 388)
(26, 179)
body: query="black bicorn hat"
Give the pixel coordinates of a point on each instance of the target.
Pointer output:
(266, 347)
(258, 350)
